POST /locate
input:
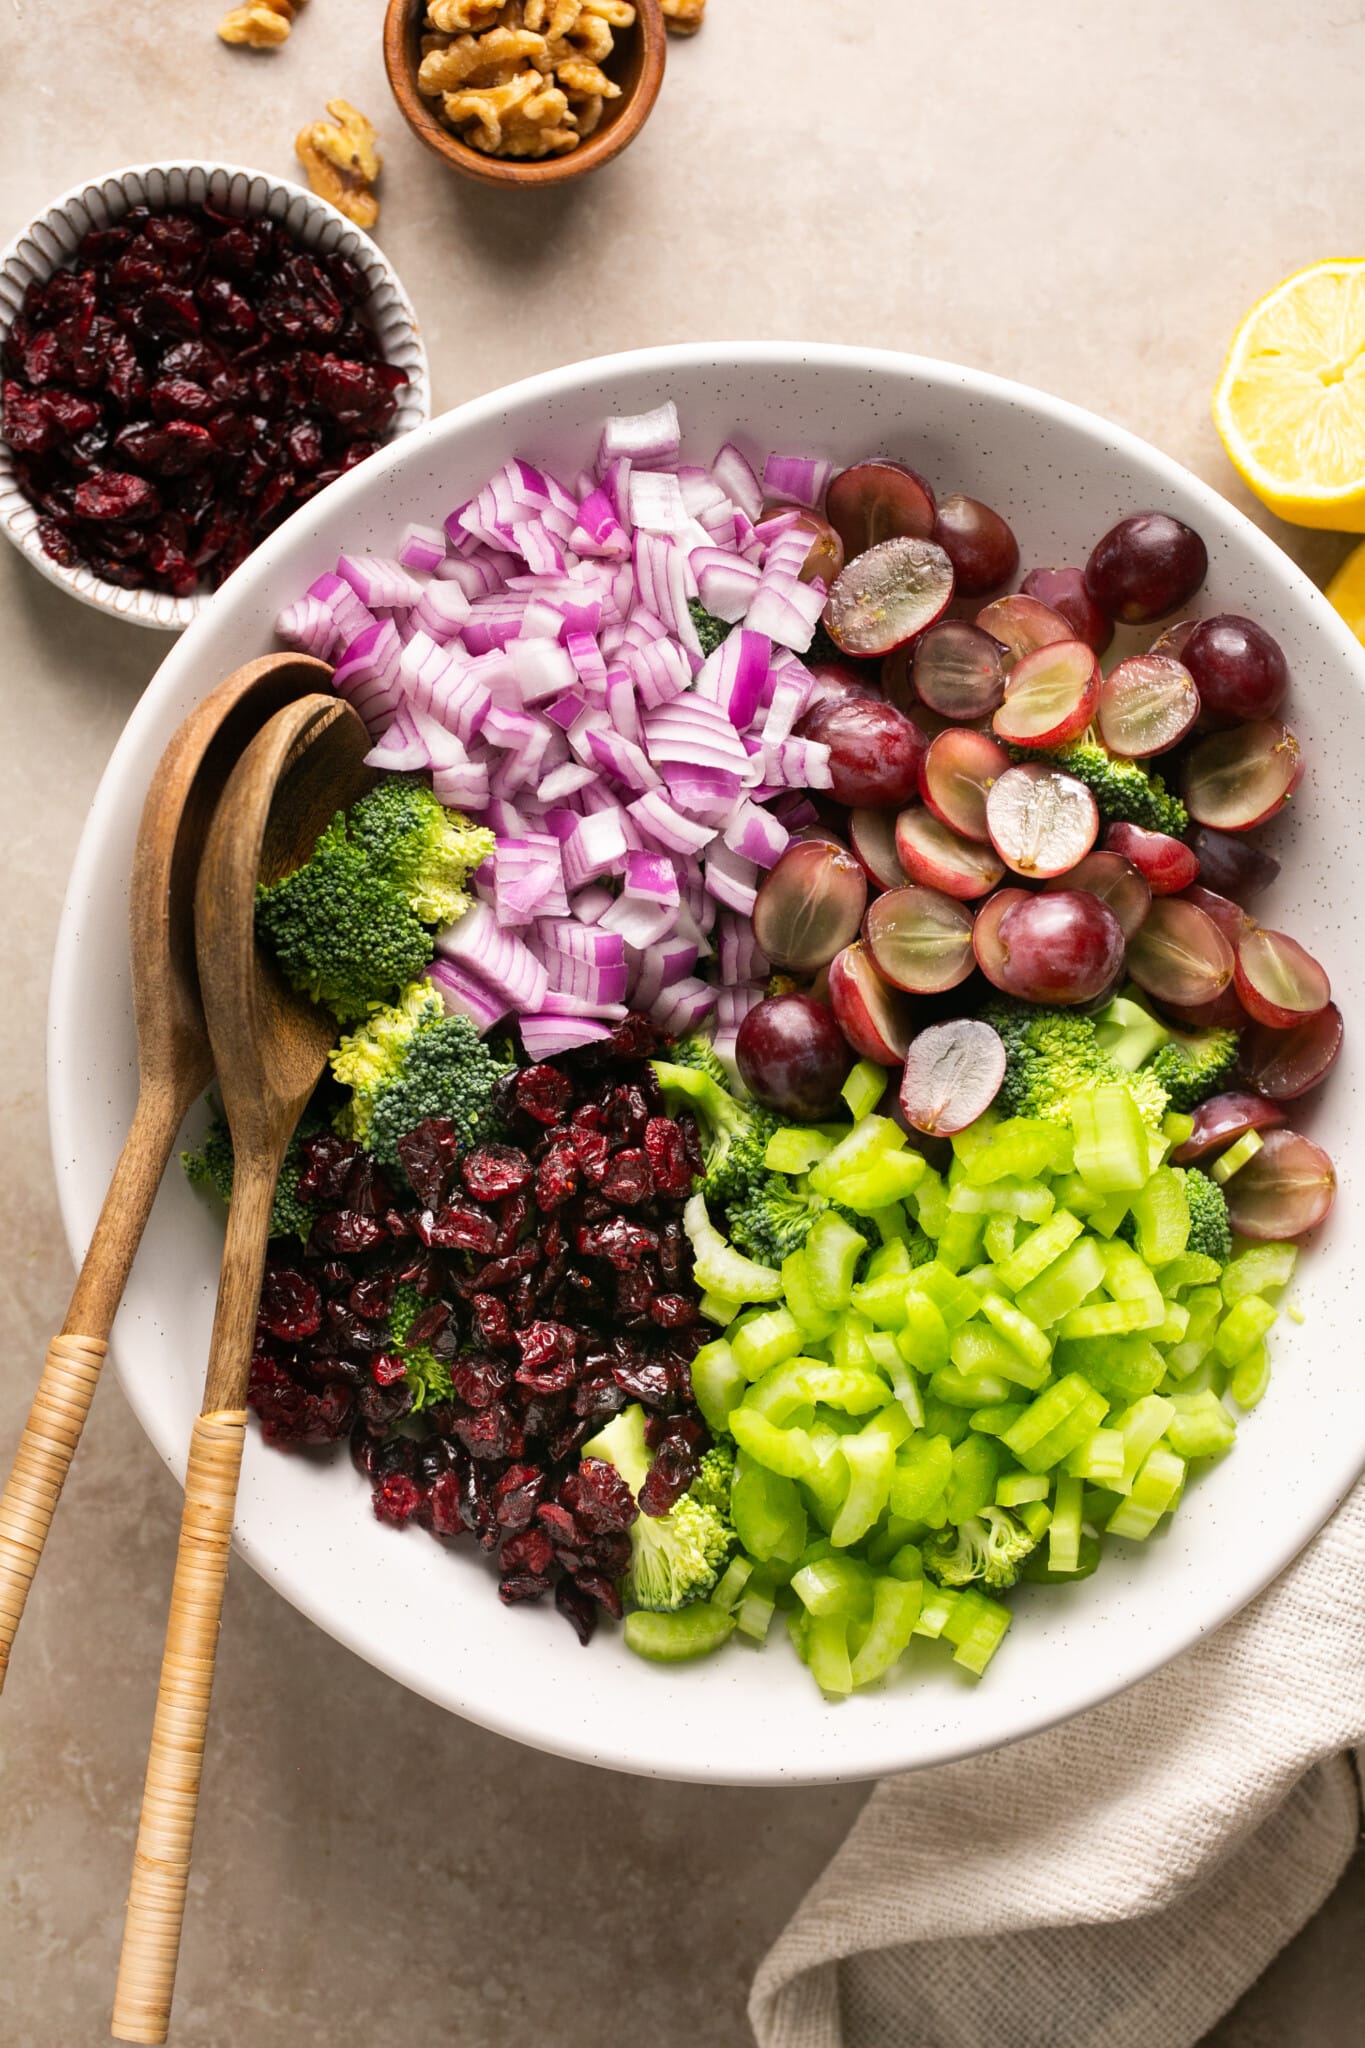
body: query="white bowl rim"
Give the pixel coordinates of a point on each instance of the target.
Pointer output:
(114, 599)
(517, 1718)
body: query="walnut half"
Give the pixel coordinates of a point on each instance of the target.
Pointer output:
(684, 17)
(262, 25)
(342, 159)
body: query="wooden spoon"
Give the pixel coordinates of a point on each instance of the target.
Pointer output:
(174, 1066)
(270, 1046)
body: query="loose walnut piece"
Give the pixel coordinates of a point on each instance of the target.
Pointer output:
(523, 78)
(458, 17)
(684, 17)
(262, 25)
(342, 159)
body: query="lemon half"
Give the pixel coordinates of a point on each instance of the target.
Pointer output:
(1290, 403)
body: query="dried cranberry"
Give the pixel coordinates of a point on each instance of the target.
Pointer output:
(645, 1379)
(117, 495)
(290, 1306)
(604, 1591)
(627, 1114)
(397, 1499)
(556, 1177)
(634, 1038)
(543, 1093)
(520, 1586)
(516, 1496)
(529, 1550)
(479, 1379)
(666, 1150)
(510, 1266)
(628, 1179)
(342, 1230)
(383, 1406)
(491, 1433)
(491, 1171)
(288, 1412)
(458, 1227)
(429, 1155)
(491, 1320)
(672, 1472)
(387, 1369)
(578, 1609)
(598, 1497)
(372, 1297)
(621, 1243)
(447, 1516)
(367, 1191)
(554, 1517)
(429, 1323)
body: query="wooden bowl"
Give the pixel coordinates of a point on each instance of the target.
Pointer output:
(636, 65)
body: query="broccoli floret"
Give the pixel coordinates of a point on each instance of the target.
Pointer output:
(1051, 1054)
(446, 1070)
(1125, 791)
(734, 1135)
(428, 1376)
(989, 1547)
(212, 1166)
(349, 927)
(1210, 1230)
(696, 1051)
(675, 1557)
(772, 1217)
(715, 1476)
(370, 1059)
(1191, 1066)
(428, 851)
(710, 630)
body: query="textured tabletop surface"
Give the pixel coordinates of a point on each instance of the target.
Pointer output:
(1082, 197)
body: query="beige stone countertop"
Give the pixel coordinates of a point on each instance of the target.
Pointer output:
(1085, 197)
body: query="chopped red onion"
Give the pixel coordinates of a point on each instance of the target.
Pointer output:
(734, 676)
(558, 1004)
(478, 942)
(726, 584)
(595, 847)
(367, 674)
(730, 878)
(528, 879)
(656, 502)
(621, 706)
(440, 612)
(464, 994)
(736, 478)
(564, 781)
(787, 609)
(545, 1035)
(586, 656)
(378, 581)
(801, 479)
(652, 438)
(756, 834)
(683, 1007)
(401, 750)
(542, 669)
(308, 625)
(587, 906)
(666, 827)
(462, 789)
(422, 548)
(622, 760)
(662, 966)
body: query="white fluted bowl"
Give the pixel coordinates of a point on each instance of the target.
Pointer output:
(48, 244)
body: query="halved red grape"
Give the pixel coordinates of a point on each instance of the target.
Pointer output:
(1237, 779)
(1041, 821)
(958, 670)
(1147, 704)
(1286, 1064)
(1222, 1120)
(1287, 1189)
(1146, 567)
(956, 776)
(1020, 624)
(873, 834)
(1050, 695)
(1231, 864)
(1229, 917)
(1278, 980)
(809, 905)
(1064, 591)
(932, 853)
(792, 1057)
(1063, 946)
(874, 750)
(1223, 1012)
(920, 940)
(1239, 669)
(990, 954)
(978, 542)
(826, 557)
(885, 596)
(1167, 864)
(1116, 882)
(952, 1075)
(1179, 955)
(877, 501)
(875, 1018)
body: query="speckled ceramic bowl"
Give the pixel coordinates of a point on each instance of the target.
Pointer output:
(49, 242)
(429, 1614)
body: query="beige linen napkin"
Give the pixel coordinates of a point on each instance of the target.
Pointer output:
(1117, 1882)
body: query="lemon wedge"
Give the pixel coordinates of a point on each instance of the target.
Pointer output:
(1290, 403)
(1347, 591)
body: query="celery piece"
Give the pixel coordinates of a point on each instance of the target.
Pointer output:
(942, 1419)
(1052, 1406)
(1020, 1148)
(871, 1458)
(1099, 1458)
(1064, 1531)
(1201, 1426)
(967, 1389)
(881, 1298)
(753, 1616)
(1072, 1431)
(1129, 1033)
(1033, 1351)
(936, 1610)
(848, 1340)
(999, 1237)
(955, 1298)
(996, 1417)
(886, 1356)
(979, 1347)
(1038, 1251)
(1111, 1139)
(969, 1143)
(719, 1269)
(1036, 1517)
(766, 1340)
(856, 1152)
(1191, 1269)
(864, 1088)
(891, 1260)
(718, 1383)
(971, 1487)
(788, 1452)
(922, 1339)
(977, 1627)
(798, 1381)
(930, 1201)
(1242, 1328)
(960, 1241)
(924, 1465)
(828, 1485)
(1026, 1198)
(1013, 1489)
(1173, 1325)
(795, 1148)
(814, 1322)
(888, 1179)
(1161, 1214)
(832, 1251)
(680, 1633)
(1257, 1270)
(731, 1583)
(1128, 1278)
(1036, 1571)
(834, 1585)
(1156, 1487)
(769, 1518)
(895, 1610)
(1235, 1158)
(1141, 1426)
(1182, 1360)
(1110, 1319)
(1176, 1127)
(797, 1621)
(719, 1308)
(1063, 1285)
(827, 1653)
(1250, 1377)
(907, 1563)
(1123, 1367)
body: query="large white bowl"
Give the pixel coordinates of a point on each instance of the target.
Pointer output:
(428, 1614)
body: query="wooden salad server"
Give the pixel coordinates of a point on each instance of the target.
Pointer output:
(270, 1046)
(174, 1066)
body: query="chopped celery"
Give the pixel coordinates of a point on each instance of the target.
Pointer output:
(848, 1340)
(959, 1241)
(980, 1347)
(1100, 1458)
(1028, 1199)
(1173, 1325)
(997, 1240)
(1063, 1285)
(1156, 1488)
(971, 1486)
(832, 1251)
(891, 1259)
(931, 1203)
(787, 1452)
(1201, 1426)
(1259, 1268)
(1064, 1531)
(769, 1518)
(1128, 1278)
(765, 1340)
(719, 1308)
(793, 1148)
(907, 1562)
(1162, 1216)
(923, 1467)
(1038, 1250)
(1250, 1377)
(855, 1152)
(717, 1383)
(977, 1627)
(679, 1633)
(1111, 1319)
(1129, 1033)
(969, 1143)
(1012, 1489)
(1020, 1148)
(721, 1270)
(1123, 1367)
(895, 1610)
(1112, 1153)
(1063, 1415)
(922, 1339)
(871, 1458)
(968, 1389)
(936, 1610)
(881, 1298)
(1242, 1328)
(996, 1417)
(1236, 1156)
(834, 1585)
(1191, 1269)
(1176, 1127)
(1032, 1349)
(827, 1653)
(813, 1321)
(754, 1614)
(1037, 1571)
(886, 1180)
(731, 1583)
(864, 1088)
(956, 1300)
(1141, 1426)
